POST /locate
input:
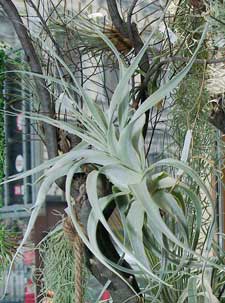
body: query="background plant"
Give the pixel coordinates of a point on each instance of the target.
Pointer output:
(8, 244)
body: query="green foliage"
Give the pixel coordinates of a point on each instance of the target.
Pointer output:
(58, 270)
(58, 267)
(7, 246)
(216, 16)
(190, 111)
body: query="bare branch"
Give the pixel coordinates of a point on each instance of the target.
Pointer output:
(187, 59)
(131, 9)
(118, 22)
(128, 30)
(44, 24)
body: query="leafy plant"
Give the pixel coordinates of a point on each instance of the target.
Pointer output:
(8, 244)
(58, 270)
(161, 216)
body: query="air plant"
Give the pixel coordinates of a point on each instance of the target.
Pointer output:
(88, 40)
(160, 214)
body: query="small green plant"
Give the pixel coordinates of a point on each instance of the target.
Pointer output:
(8, 244)
(58, 274)
(58, 267)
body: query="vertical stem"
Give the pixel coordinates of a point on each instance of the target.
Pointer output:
(78, 254)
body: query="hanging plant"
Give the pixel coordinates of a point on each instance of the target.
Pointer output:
(160, 214)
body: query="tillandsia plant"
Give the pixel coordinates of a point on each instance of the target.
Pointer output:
(160, 230)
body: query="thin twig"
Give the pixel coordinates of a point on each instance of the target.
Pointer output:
(131, 9)
(187, 59)
(45, 26)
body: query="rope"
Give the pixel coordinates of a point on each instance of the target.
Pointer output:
(77, 244)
